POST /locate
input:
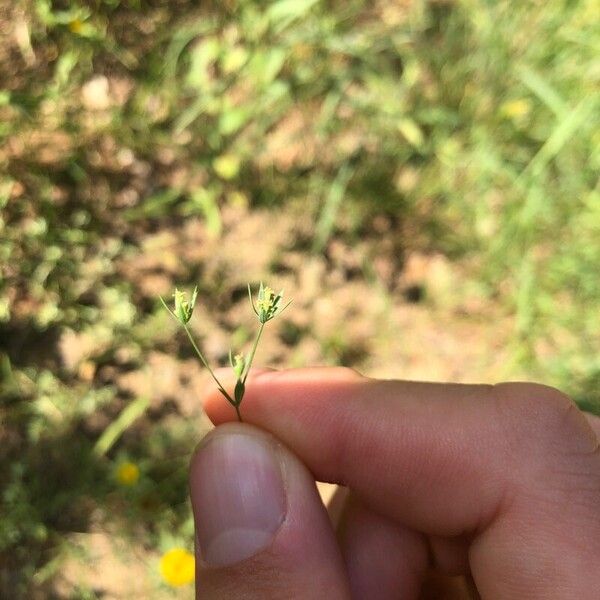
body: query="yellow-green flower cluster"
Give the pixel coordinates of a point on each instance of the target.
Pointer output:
(264, 304)
(184, 308)
(268, 303)
(238, 364)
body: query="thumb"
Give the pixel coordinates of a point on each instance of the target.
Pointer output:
(261, 528)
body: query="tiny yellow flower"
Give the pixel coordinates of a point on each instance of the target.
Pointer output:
(128, 473)
(516, 109)
(76, 25)
(227, 166)
(177, 567)
(265, 302)
(268, 303)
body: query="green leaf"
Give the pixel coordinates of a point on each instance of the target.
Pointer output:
(284, 12)
(238, 392)
(113, 432)
(201, 58)
(326, 221)
(156, 205)
(562, 133)
(233, 119)
(266, 64)
(412, 132)
(543, 90)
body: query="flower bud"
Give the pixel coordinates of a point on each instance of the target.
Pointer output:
(184, 309)
(239, 364)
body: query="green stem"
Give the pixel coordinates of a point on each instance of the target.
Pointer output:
(239, 414)
(205, 363)
(253, 352)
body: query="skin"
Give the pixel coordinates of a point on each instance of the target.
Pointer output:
(450, 491)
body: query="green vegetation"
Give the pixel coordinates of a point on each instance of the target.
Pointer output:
(133, 135)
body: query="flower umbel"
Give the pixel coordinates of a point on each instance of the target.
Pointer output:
(268, 303)
(177, 567)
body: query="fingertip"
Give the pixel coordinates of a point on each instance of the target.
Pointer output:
(217, 409)
(215, 405)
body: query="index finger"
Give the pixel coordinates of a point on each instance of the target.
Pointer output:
(438, 456)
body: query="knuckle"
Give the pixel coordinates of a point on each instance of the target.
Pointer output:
(549, 437)
(544, 417)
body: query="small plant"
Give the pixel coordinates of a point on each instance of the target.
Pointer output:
(268, 305)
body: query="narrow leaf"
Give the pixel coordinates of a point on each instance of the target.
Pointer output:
(251, 300)
(125, 419)
(168, 309)
(238, 393)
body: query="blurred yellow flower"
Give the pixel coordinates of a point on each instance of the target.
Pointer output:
(128, 473)
(516, 109)
(177, 567)
(76, 26)
(227, 166)
(237, 199)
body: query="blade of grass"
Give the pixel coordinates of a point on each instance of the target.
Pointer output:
(330, 208)
(115, 430)
(562, 133)
(543, 90)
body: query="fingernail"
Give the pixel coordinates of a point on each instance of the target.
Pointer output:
(238, 497)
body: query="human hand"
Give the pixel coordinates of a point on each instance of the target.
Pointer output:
(500, 484)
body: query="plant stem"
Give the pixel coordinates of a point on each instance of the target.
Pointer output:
(205, 363)
(253, 352)
(239, 414)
